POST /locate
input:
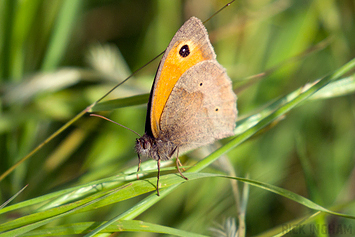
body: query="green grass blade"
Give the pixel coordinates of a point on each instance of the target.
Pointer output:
(25, 18)
(12, 198)
(61, 35)
(8, 21)
(118, 226)
(344, 86)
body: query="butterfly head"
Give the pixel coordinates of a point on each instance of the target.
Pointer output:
(144, 145)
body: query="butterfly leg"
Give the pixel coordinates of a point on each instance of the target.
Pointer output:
(139, 165)
(179, 163)
(158, 163)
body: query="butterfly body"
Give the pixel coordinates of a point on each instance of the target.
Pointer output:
(155, 148)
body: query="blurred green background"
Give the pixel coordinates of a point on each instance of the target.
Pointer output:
(58, 57)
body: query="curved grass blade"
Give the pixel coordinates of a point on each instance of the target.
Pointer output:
(290, 195)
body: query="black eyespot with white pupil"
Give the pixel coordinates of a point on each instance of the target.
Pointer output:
(184, 51)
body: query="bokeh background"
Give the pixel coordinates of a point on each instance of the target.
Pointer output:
(58, 57)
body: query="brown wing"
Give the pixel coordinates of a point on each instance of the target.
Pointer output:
(194, 38)
(201, 107)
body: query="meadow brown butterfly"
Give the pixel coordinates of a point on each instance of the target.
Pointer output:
(191, 103)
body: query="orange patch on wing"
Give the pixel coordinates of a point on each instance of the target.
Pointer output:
(174, 66)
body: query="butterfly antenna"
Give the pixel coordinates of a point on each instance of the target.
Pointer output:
(100, 116)
(227, 5)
